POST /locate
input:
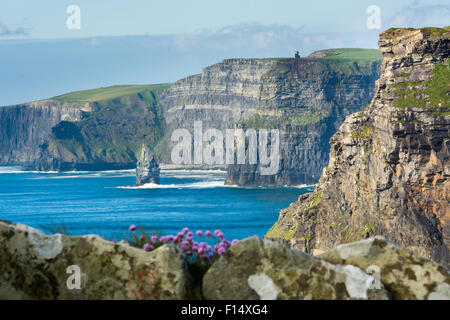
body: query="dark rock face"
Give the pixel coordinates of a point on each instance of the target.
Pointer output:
(389, 164)
(24, 128)
(106, 138)
(147, 169)
(306, 99)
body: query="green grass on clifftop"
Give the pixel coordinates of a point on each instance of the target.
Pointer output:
(350, 60)
(352, 54)
(428, 32)
(109, 93)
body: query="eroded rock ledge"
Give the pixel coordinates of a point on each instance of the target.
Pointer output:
(35, 266)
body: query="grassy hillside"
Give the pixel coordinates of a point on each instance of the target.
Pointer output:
(350, 60)
(351, 54)
(109, 93)
(110, 136)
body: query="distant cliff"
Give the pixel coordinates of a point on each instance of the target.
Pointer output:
(23, 128)
(88, 130)
(305, 98)
(104, 128)
(390, 163)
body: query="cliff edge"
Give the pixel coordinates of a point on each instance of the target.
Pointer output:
(390, 163)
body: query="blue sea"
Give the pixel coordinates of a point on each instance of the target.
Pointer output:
(106, 202)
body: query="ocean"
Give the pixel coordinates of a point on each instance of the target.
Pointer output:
(106, 203)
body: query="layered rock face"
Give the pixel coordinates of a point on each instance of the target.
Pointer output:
(147, 169)
(307, 100)
(221, 96)
(389, 164)
(304, 98)
(38, 266)
(23, 128)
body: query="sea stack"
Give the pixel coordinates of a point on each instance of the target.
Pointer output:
(147, 169)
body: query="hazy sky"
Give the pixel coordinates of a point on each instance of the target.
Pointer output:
(47, 18)
(149, 41)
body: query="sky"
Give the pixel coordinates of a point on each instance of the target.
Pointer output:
(148, 41)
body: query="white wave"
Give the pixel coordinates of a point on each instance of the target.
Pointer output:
(301, 186)
(195, 185)
(11, 170)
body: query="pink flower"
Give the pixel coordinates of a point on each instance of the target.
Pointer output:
(208, 234)
(199, 233)
(163, 239)
(185, 230)
(132, 227)
(221, 250)
(202, 245)
(200, 250)
(185, 243)
(234, 242)
(169, 238)
(219, 234)
(154, 239)
(148, 247)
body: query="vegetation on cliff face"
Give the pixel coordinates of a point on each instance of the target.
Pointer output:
(431, 93)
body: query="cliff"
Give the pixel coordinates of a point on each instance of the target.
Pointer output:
(104, 128)
(389, 165)
(87, 130)
(23, 128)
(305, 98)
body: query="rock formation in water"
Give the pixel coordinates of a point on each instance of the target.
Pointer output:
(34, 265)
(147, 169)
(305, 98)
(390, 163)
